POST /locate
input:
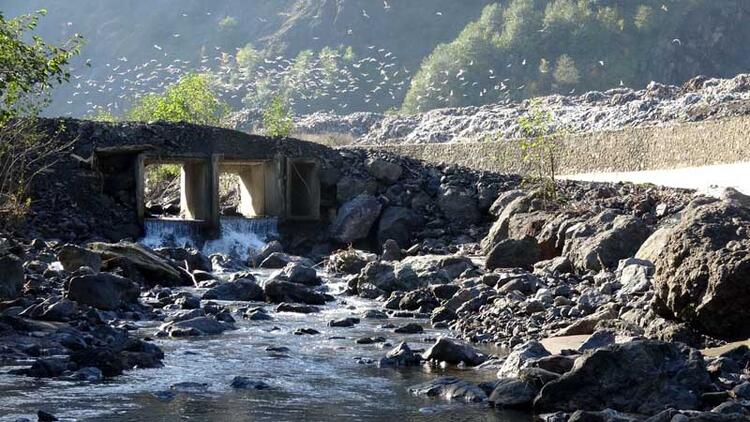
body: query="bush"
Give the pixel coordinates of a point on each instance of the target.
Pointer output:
(277, 119)
(539, 150)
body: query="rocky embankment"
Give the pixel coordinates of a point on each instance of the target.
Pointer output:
(646, 277)
(699, 99)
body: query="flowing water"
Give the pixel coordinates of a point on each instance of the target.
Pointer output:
(321, 377)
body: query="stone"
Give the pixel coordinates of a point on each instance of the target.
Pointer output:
(504, 200)
(391, 251)
(103, 291)
(643, 377)
(499, 230)
(245, 383)
(397, 223)
(514, 253)
(297, 309)
(521, 357)
(194, 259)
(196, 327)
(451, 389)
(617, 240)
(301, 274)
(383, 170)
(239, 290)
(350, 261)
(513, 394)
(599, 339)
(410, 328)
(460, 206)
(306, 332)
(374, 314)
(277, 260)
(386, 278)
(270, 248)
(702, 270)
(344, 322)
(278, 291)
(355, 219)
(442, 314)
(11, 276)
(155, 268)
(454, 352)
(400, 355)
(73, 257)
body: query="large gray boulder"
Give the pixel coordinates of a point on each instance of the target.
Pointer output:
(455, 352)
(521, 357)
(499, 231)
(355, 219)
(702, 272)
(459, 205)
(153, 267)
(383, 170)
(11, 276)
(103, 291)
(278, 291)
(514, 253)
(240, 290)
(619, 239)
(643, 377)
(378, 278)
(73, 257)
(397, 223)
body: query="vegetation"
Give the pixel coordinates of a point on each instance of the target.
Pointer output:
(190, 100)
(525, 48)
(539, 150)
(29, 69)
(277, 119)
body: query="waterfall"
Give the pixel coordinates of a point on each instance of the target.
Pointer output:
(238, 237)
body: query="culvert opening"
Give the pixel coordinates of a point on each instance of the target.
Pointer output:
(303, 189)
(242, 189)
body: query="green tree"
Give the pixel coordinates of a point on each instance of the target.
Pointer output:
(277, 119)
(189, 100)
(539, 149)
(566, 72)
(248, 59)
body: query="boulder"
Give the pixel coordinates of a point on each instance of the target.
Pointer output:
(240, 290)
(521, 357)
(195, 259)
(350, 261)
(702, 272)
(617, 240)
(513, 253)
(451, 389)
(383, 170)
(355, 219)
(196, 327)
(297, 309)
(73, 257)
(642, 377)
(278, 291)
(397, 223)
(103, 291)
(278, 260)
(384, 278)
(301, 274)
(400, 355)
(155, 268)
(504, 200)
(455, 352)
(499, 230)
(11, 276)
(245, 383)
(459, 205)
(513, 394)
(391, 251)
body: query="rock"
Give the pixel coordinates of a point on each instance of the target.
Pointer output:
(344, 322)
(410, 328)
(450, 388)
(155, 268)
(418, 299)
(280, 260)
(442, 314)
(504, 200)
(521, 357)
(499, 230)
(103, 291)
(43, 416)
(385, 278)
(599, 339)
(269, 249)
(460, 206)
(619, 240)
(297, 309)
(400, 355)
(278, 291)
(558, 364)
(643, 377)
(513, 253)
(195, 259)
(370, 340)
(350, 261)
(374, 314)
(702, 271)
(355, 219)
(239, 290)
(397, 223)
(513, 394)
(62, 310)
(306, 331)
(391, 251)
(196, 327)
(301, 274)
(11, 276)
(73, 257)
(454, 352)
(257, 315)
(245, 383)
(383, 170)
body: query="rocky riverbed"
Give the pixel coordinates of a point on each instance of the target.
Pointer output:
(699, 99)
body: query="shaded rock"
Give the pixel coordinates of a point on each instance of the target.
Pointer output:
(599, 339)
(350, 261)
(278, 291)
(355, 219)
(239, 290)
(410, 328)
(397, 223)
(297, 309)
(513, 394)
(384, 170)
(400, 355)
(11, 276)
(391, 251)
(344, 322)
(640, 377)
(103, 291)
(73, 257)
(514, 253)
(605, 249)
(302, 274)
(460, 206)
(455, 352)
(245, 383)
(521, 357)
(196, 327)
(155, 268)
(451, 389)
(280, 260)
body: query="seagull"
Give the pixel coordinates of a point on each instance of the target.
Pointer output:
(364, 13)
(157, 47)
(439, 13)
(677, 42)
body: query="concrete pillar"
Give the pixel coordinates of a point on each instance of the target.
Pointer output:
(199, 192)
(252, 189)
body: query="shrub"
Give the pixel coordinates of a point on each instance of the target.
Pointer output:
(277, 119)
(539, 150)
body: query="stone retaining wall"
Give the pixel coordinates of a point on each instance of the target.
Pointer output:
(722, 141)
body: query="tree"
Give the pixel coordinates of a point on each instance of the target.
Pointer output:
(277, 119)
(566, 72)
(190, 100)
(539, 150)
(29, 69)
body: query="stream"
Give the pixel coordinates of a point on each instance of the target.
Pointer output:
(321, 377)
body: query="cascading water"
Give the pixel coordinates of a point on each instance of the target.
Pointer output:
(239, 236)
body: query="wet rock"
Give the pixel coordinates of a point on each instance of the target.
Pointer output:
(442, 314)
(513, 394)
(355, 218)
(451, 389)
(245, 383)
(269, 249)
(374, 314)
(306, 331)
(400, 355)
(257, 315)
(559, 364)
(195, 259)
(344, 322)
(301, 274)
(11, 276)
(370, 340)
(278, 291)
(454, 352)
(154, 268)
(297, 309)
(239, 290)
(43, 416)
(640, 377)
(701, 271)
(73, 257)
(196, 327)
(410, 328)
(379, 278)
(103, 291)
(278, 260)
(521, 357)
(418, 299)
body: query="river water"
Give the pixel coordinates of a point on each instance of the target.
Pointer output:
(321, 377)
